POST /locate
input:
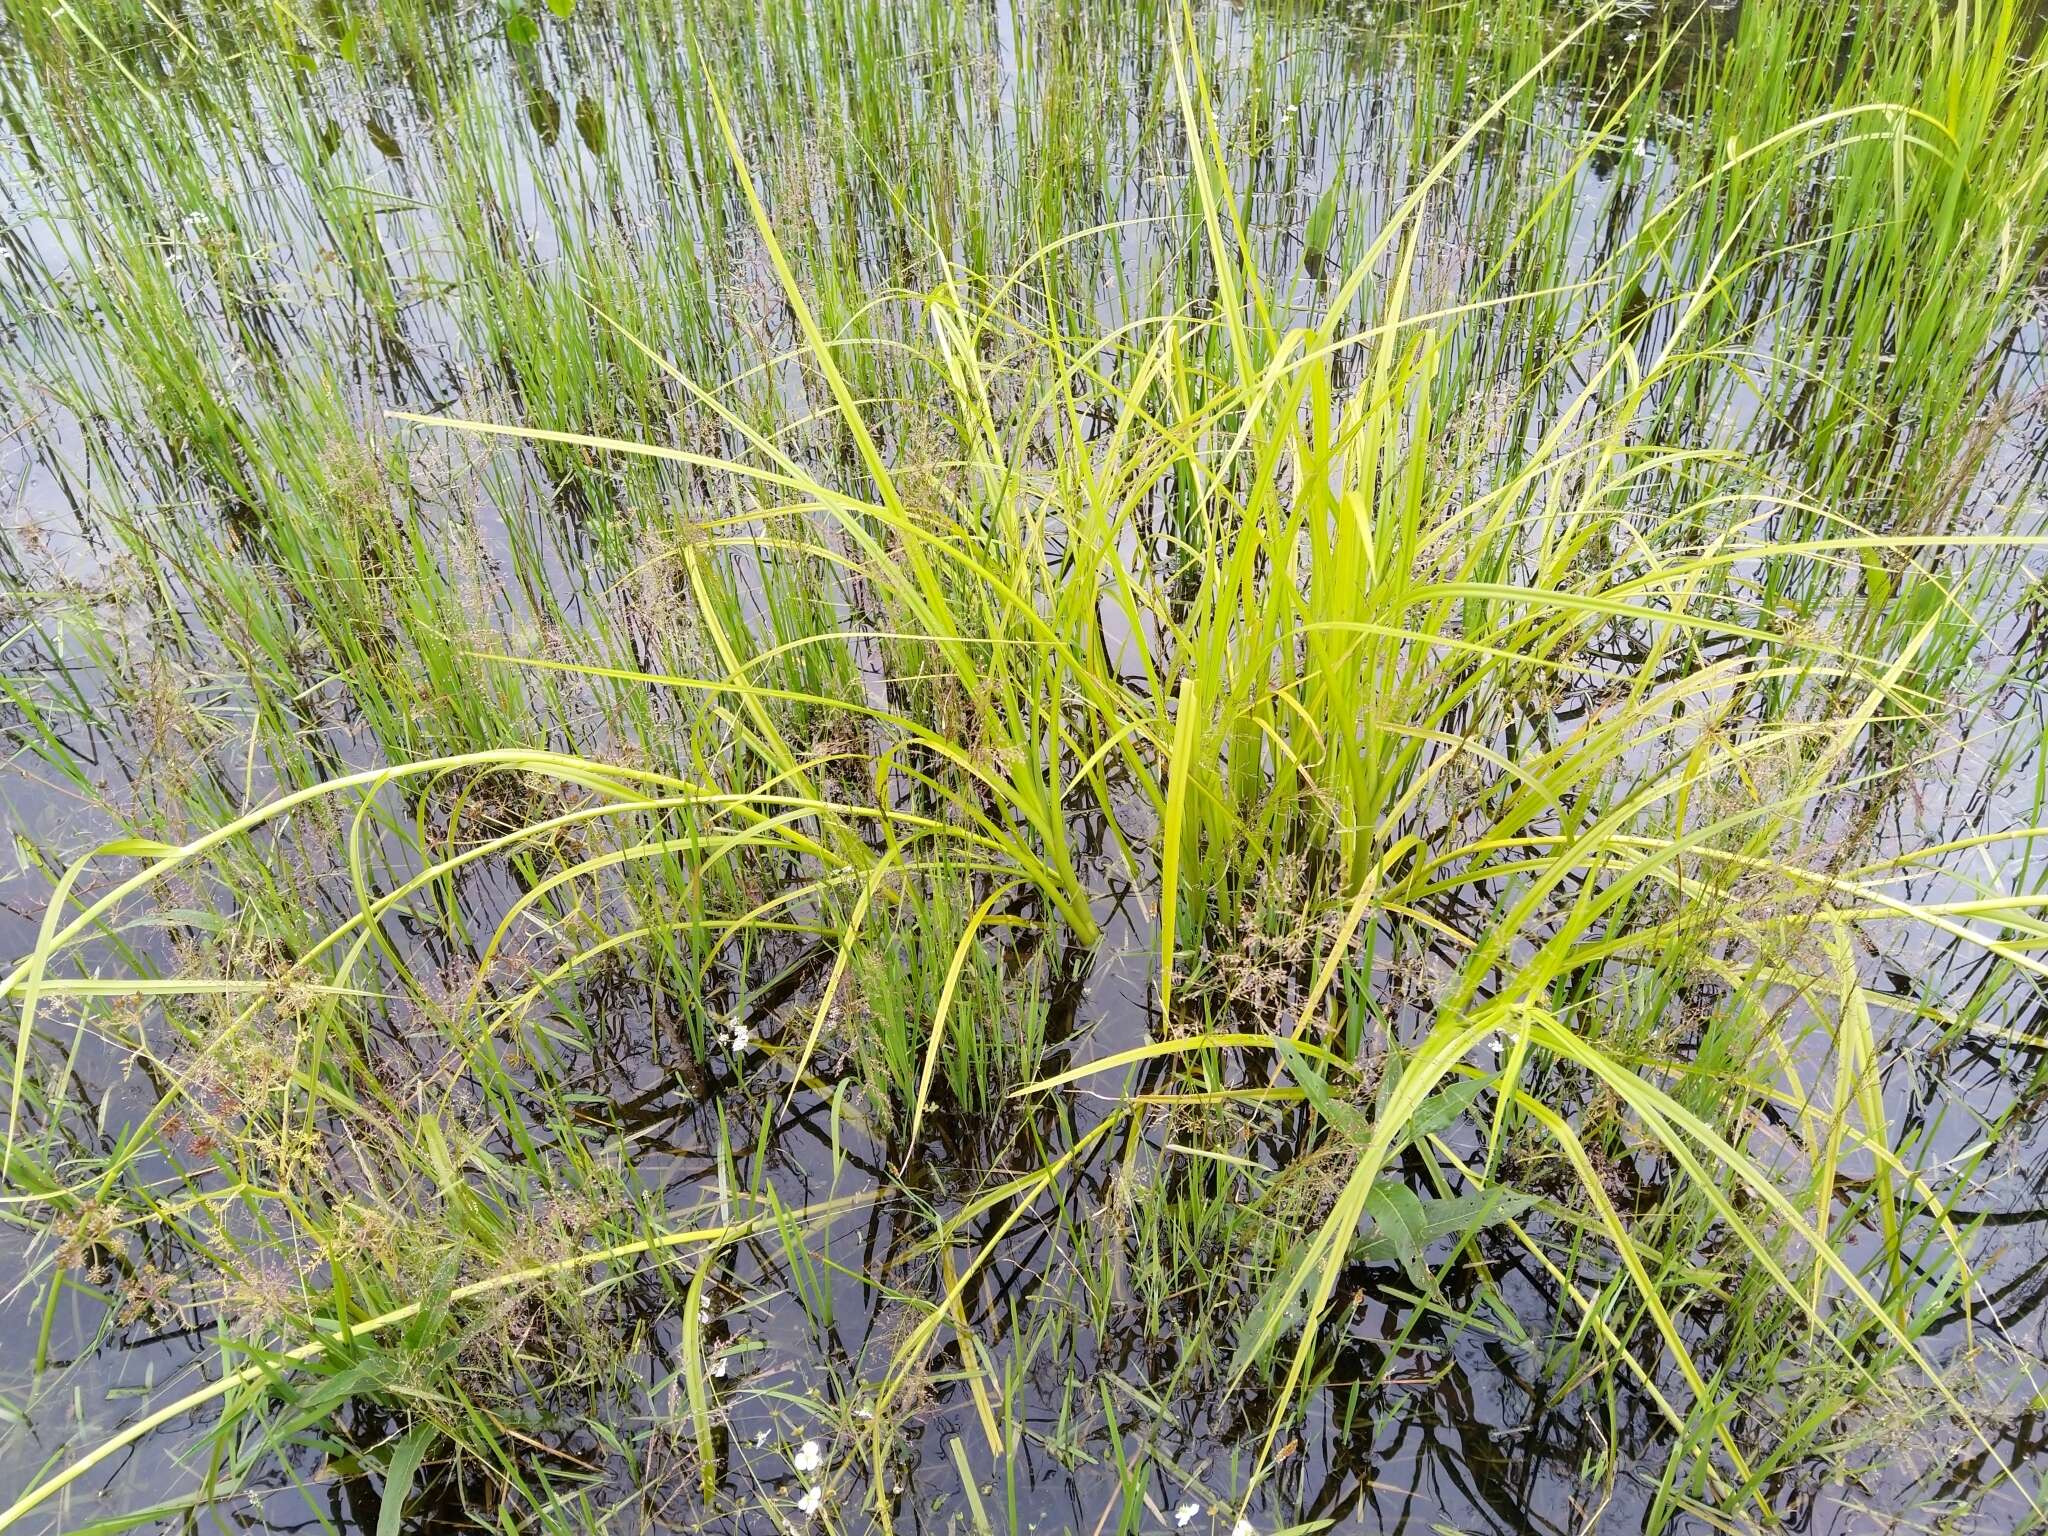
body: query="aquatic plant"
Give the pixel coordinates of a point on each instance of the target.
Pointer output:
(1497, 677)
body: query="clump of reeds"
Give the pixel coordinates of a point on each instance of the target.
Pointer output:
(1500, 747)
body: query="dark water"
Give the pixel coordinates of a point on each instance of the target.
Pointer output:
(1452, 1427)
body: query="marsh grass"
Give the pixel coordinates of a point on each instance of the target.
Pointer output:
(570, 949)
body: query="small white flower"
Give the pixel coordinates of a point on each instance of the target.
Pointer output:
(1244, 1527)
(1184, 1514)
(812, 1498)
(810, 1456)
(718, 1369)
(740, 1038)
(704, 1313)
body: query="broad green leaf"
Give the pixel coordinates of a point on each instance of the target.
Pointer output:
(1445, 1218)
(405, 1463)
(1397, 1212)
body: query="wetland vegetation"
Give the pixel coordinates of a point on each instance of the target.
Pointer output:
(1041, 766)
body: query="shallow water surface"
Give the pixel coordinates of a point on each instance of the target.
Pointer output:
(223, 259)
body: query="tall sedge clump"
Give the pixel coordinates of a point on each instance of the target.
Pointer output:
(1484, 683)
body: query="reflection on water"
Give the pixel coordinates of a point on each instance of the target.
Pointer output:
(446, 217)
